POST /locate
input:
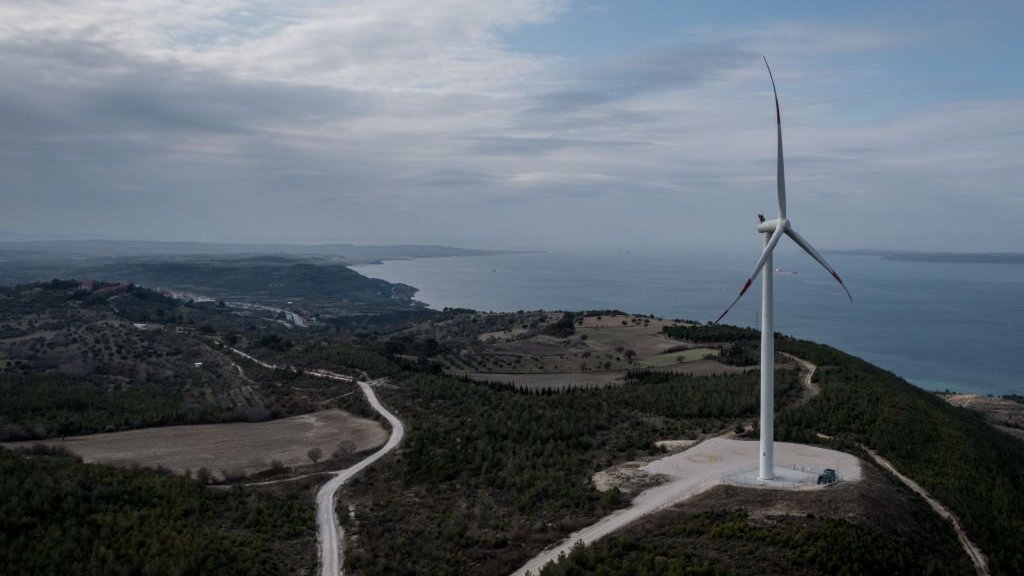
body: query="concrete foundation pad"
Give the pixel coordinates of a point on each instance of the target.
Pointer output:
(735, 462)
(704, 466)
(785, 479)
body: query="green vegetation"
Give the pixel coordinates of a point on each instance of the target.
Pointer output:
(679, 357)
(725, 542)
(739, 346)
(478, 492)
(711, 333)
(94, 357)
(268, 280)
(42, 405)
(953, 453)
(489, 474)
(563, 327)
(58, 516)
(346, 359)
(1019, 399)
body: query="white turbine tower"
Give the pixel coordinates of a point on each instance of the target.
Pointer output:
(773, 231)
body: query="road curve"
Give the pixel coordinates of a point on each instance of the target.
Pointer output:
(811, 388)
(329, 532)
(970, 548)
(328, 529)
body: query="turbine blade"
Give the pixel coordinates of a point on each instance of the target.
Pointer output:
(772, 242)
(817, 256)
(780, 177)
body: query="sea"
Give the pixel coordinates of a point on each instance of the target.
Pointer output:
(941, 326)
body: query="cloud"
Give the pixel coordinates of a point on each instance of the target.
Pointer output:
(406, 121)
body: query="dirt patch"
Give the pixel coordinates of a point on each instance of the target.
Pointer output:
(628, 477)
(1002, 413)
(675, 445)
(245, 447)
(598, 344)
(641, 340)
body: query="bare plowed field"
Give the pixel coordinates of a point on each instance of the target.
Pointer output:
(244, 447)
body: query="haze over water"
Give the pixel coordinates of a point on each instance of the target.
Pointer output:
(938, 325)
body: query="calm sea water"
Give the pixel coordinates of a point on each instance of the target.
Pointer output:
(956, 326)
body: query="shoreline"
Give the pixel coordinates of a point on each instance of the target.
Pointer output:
(907, 338)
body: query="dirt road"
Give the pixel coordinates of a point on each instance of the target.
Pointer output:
(330, 532)
(975, 554)
(811, 389)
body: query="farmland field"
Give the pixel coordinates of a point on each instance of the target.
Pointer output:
(237, 447)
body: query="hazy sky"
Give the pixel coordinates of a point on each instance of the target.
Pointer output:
(520, 124)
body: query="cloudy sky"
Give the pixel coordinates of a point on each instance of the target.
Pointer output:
(521, 123)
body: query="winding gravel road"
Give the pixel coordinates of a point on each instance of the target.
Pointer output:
(330, 532)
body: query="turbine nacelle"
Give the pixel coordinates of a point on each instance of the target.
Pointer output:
(769, 226)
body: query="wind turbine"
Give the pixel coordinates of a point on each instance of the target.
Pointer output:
(773, 231)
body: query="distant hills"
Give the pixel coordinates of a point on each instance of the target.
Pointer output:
(947, 257)
(353, 253)
(31, 261)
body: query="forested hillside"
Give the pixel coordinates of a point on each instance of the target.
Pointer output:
(58, 516)
(489, 473)
(961, 460)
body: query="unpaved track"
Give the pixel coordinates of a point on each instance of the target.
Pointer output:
(329, 532)
(810, 388)
(973, 552)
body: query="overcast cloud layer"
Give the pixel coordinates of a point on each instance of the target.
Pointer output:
(404, 121)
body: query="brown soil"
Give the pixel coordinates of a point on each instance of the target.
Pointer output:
(627, 477)
(237, 447)
(1003, 414)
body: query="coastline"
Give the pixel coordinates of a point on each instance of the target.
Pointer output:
(932, 324)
